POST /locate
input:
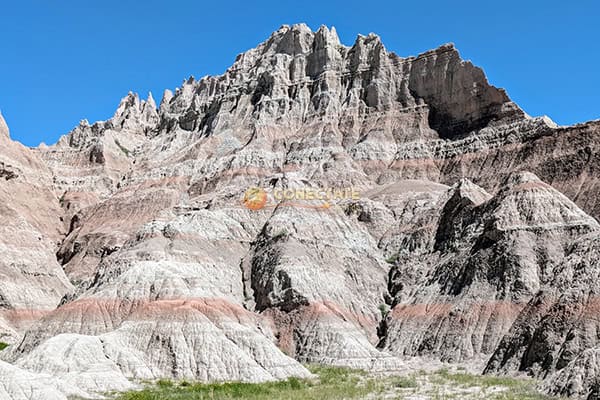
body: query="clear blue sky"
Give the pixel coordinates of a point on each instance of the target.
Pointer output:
(68, 60)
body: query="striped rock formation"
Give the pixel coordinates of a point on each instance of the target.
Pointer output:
(128, 255)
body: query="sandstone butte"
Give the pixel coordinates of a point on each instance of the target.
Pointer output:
(127, 254)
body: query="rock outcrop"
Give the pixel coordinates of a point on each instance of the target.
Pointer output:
(128, 254)
(555, 337)
(32, 282)
(493, 255)
(20, 384)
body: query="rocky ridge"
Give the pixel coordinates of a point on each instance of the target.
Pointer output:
(128, 256)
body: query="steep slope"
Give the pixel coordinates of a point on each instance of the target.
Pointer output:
(166, 304)
(558, 330)
(322, 279)
(492, 256)
(31, 281)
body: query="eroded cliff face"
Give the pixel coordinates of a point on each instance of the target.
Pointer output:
(469, 235)
(493, 255)
(32, 282)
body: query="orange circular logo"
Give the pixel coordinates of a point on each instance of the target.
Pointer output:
(255, 198)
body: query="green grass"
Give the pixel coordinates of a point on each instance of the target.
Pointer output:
(514, 389)
(393, 258)
(332, 383)
(384, 309)
(3, 346)
(404, 382)
(341, 383)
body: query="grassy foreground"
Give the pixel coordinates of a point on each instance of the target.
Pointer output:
(341, 383)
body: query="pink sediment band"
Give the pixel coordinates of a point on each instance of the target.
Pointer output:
(424, 310)
(217, 308)
(23, 315)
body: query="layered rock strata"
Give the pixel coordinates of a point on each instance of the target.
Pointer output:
(128, 255)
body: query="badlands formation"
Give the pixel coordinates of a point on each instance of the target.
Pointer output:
(128, 256)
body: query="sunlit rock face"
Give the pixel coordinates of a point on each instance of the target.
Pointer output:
(32, 281)
(129, 255)
(493, 254)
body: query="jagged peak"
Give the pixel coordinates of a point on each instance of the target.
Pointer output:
(150, 101)
(132, 99)
(135, 114)
(166, 98)
(299, 27)
(371, 39)
(326, 37)
(292, 40)
(455, 110)
(4, 131)
(296, 40)
(548, 121)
